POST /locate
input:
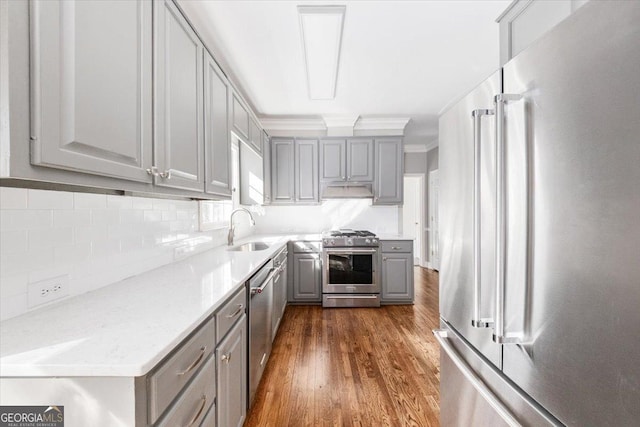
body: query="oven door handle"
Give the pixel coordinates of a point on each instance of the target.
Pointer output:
(350, 251)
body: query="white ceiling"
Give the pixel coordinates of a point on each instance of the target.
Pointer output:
(398, 59)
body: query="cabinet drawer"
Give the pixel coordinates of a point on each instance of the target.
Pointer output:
(300, 247)
(230, 312)
(210, 418)
(172, 375)
(192, 406)
(396, 245)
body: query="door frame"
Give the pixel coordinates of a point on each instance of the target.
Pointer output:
(433, 210)
(421, 216)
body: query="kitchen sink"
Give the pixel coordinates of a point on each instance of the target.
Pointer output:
(249, 247)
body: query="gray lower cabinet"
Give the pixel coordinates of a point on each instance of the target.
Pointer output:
(306, 171)
(282, 170)
(179, 131)
(231, 359)
(279, 293)
(389, 171)
(91, 100)
(305, 284)
(397, 271)
(217, 147)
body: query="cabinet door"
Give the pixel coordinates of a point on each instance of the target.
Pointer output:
(307, 277)
(91, 87)
(240, 118)
(306, 170)
(255, 136)
(282, 171)
(216, 130)
(388, 172)
(333, 161)
(360, 160)
(279, 283)
(266, 157)
(179, 135)
(397, 277)
(231, 359)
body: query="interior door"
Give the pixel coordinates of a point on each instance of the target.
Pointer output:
(572, 271)
(411, 214)
(456, 212)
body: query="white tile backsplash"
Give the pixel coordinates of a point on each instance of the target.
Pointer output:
(13, 198)
(95, 239)
(43, 199)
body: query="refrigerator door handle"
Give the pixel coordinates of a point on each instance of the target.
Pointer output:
(484, 391)
(477, 320)
(499, 335)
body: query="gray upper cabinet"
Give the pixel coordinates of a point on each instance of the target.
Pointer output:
(240, 117)
(91, 87)
(266, 158)
(346, 160)
(217, 146)
(255, 135)
(389, 167)
(282, 170)
(306, 170)
(333, 160)
(360, 160)
(179, 131)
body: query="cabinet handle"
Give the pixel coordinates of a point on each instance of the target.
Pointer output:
(197, 414)
(396, 248)
(343, 177)
(195, 362)
(153, 171)
(226, 358)
(165, 175)
(384, 258)
(235, 313)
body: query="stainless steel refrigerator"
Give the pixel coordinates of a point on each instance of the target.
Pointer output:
(540, 232)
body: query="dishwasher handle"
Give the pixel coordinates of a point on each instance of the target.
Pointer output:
(259, 289)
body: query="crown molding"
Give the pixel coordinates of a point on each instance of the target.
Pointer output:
(415, 148)
(396, 125)
(293, 124)
(433, 144)
(382, 123)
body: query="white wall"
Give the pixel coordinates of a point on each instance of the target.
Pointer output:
(95, 239)
(330, 215)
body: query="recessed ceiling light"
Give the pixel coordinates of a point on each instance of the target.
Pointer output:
(321, 32)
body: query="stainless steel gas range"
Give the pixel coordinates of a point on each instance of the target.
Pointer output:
(350, 269)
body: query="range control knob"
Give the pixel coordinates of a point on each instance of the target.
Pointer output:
(333, 242)
(350, 241)
(367, 241)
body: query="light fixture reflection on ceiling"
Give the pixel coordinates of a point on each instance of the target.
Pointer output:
(321, 32)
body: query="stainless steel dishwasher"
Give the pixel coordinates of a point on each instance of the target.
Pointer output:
(260, 312)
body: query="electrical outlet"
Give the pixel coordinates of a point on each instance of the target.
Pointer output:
(48, 290)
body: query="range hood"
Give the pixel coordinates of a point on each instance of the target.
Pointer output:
(346, 190)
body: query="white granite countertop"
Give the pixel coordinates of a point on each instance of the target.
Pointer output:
(126, 328)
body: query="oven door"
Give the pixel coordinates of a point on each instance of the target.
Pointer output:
(350, 271)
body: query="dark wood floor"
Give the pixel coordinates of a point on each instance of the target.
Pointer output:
(354, 367)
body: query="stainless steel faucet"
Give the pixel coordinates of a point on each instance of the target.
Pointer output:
(232, 227)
